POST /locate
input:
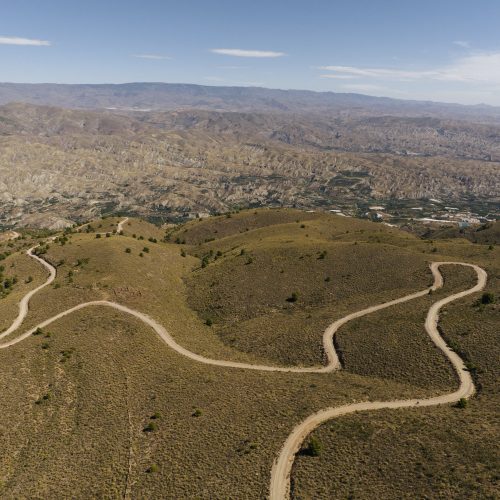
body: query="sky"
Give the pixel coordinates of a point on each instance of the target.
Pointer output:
(441, 50)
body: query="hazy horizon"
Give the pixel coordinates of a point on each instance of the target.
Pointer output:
(449, 52)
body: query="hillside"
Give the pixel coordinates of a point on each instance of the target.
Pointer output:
(95, 403)
(72, 165)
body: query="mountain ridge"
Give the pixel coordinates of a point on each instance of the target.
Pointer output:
(167, 96)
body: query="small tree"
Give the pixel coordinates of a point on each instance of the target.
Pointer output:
(487, 298)
(293, 298)
(461, 403)
(314, 447)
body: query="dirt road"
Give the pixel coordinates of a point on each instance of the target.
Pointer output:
(280, 473)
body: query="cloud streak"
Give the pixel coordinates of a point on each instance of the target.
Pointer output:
(15, 40)
(473, 68)
(154, 57)
(248, 53)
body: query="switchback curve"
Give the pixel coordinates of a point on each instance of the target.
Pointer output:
(281, 470)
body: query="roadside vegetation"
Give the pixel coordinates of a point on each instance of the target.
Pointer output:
(96, 403)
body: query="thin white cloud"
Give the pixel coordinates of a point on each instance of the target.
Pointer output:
(352, 72)
(338, 76)
(15, 40)
(473, 68)
(155, 57)
(462, 43)
(247, 53)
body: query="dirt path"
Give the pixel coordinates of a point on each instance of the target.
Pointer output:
(24, 303)
(280, 473)
(120, 225)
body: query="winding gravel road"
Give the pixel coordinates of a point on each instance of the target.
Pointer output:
(281, 470)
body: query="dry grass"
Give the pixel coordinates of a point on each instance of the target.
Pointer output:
(438, 452)
(29, 275)
(428, 453)
(393, 344)
(77, 443)
(324, 263)
(107, 374)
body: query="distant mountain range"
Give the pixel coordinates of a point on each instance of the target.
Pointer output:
(167, 96)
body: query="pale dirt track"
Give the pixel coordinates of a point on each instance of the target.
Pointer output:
(280, 474)
(282, 467)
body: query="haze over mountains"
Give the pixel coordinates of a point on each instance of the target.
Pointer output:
(170, 96)
(168, 150)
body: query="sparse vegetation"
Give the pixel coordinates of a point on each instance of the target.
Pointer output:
(247, 304)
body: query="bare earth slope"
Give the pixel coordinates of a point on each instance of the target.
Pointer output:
(73, 165)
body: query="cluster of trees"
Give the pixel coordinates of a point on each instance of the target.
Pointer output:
(6, 284)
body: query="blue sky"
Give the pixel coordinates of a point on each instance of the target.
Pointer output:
(440, 50)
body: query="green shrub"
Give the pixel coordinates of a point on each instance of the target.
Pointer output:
(313, 447)
(293, 298)
(487, 298)
(150, 427)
